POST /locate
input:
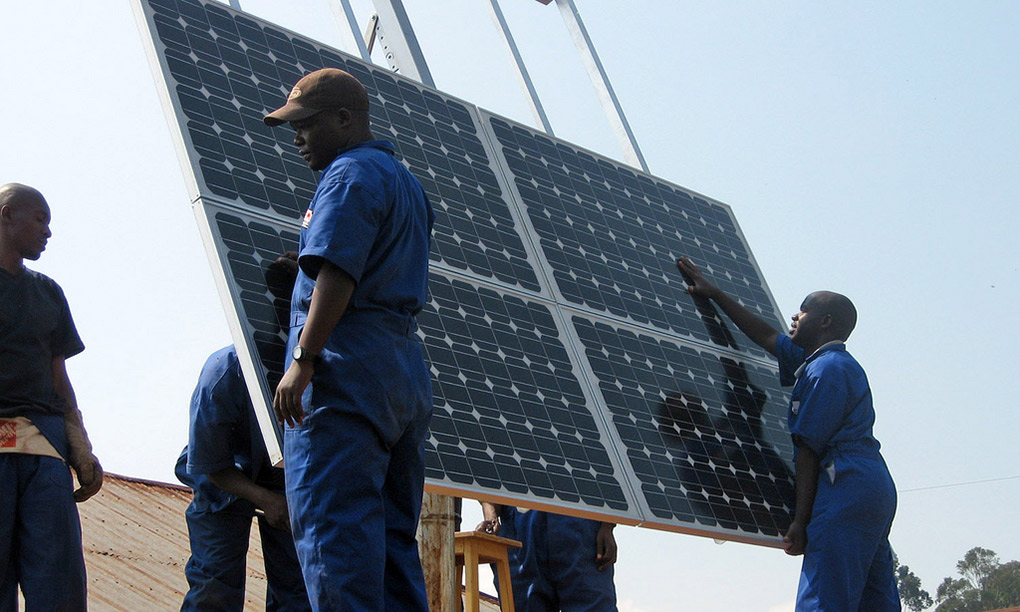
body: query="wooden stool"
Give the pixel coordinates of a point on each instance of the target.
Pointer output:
(472, 548)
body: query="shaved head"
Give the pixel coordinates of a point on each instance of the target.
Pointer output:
(24, 225)
(16, 194)
(837, 306)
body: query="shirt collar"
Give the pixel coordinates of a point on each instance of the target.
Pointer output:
(385, 145)
(832, 345)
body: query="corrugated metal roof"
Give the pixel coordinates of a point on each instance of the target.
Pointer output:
(135, 540)
(136, 544)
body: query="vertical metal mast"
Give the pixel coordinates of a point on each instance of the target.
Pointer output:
(522, 71)
(599, 79)
(352, 37)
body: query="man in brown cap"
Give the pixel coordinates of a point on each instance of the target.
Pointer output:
(356, 398)
(40, 425)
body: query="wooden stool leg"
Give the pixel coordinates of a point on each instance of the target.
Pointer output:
(471, 603)
(459, 607)
(506, 591)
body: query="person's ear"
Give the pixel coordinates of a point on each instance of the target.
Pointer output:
(826, 321)
(6, 212)
(345, 116)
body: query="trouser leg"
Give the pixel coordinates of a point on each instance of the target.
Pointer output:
(881, 593)
(286, 586)
(217, 568)
(336, 467)
(51, 568)
(8, 542)
(402, 495)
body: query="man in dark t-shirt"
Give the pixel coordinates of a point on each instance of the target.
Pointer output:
(41, 429)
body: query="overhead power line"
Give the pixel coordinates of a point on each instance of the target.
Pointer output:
(959, 484)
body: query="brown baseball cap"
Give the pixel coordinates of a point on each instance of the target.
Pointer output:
(318, 91)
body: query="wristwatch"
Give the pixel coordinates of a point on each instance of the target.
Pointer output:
(302, 354)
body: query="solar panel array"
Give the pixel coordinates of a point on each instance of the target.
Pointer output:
(571, 372)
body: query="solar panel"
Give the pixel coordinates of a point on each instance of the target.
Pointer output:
(570, 372)
(511, 413)
(700, 428)
(611, 235)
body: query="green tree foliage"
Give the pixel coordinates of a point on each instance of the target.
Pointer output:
(1003, 585)
(976, 565)
(912, 596)
(984, 584)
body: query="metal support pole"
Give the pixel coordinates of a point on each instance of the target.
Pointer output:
(349, 32)
(401, 45)
(236, 5)
(522, 71)
(600, 80)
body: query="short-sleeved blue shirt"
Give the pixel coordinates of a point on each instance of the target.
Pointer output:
(830, 406)
(371, 218)
(223, 433)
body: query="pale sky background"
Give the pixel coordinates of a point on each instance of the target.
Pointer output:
(872, 148)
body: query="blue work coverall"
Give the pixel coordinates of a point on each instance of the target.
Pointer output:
(555, 568)
(848, 561)
(223, 433)
(40, 531)
(356, 465)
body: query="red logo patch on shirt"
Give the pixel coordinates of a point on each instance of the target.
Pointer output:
(308, 219)
(8, 434)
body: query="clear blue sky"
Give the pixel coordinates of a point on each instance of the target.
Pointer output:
(869, 148)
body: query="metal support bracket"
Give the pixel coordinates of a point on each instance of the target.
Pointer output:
(343, 14)
(395, 34)
(522, 71)
(600, 80)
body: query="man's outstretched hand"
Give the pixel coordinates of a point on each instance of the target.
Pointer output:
(697, 285)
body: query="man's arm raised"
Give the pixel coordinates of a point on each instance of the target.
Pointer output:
(759, 331)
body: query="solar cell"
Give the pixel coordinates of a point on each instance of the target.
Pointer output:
(570, 370)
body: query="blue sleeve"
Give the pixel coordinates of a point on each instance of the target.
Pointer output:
(344, 225)
(822, 398)
(217, 410)
(790, 357)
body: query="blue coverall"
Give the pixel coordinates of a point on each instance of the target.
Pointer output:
(848, 561)
(356, 465)
(223, 433)
(555, 568)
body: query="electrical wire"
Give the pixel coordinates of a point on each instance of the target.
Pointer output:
(958, 484)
